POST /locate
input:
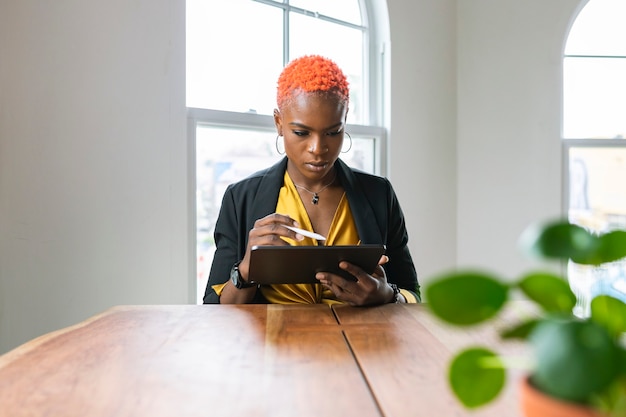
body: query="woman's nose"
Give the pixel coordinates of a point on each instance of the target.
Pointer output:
(317, 145)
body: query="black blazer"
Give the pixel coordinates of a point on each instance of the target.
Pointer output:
(374, 205)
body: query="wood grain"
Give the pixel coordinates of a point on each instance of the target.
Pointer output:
(245, 360)
(404, 354)
(188, 361)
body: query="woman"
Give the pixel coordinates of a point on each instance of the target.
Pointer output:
(313, 189)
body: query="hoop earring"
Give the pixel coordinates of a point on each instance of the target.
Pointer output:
(278, 150)
(348, 150)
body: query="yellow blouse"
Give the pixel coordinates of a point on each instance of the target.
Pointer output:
(342, 232)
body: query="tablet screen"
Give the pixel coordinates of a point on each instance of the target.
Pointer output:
(299, 264)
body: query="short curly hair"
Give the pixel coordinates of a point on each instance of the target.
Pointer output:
(312, 73)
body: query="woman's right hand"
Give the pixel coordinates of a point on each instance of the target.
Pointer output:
(268, 231)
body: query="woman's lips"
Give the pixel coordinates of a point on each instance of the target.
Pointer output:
(317, 166)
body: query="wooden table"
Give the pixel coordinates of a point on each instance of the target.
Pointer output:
(245, 360)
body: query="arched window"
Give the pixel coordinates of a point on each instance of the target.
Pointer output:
(235, 52)
(594, 129)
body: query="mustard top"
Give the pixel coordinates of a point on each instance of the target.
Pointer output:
(342, 232)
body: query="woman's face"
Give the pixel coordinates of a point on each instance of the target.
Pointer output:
(313, 128)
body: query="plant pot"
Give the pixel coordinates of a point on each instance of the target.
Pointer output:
(537, 404)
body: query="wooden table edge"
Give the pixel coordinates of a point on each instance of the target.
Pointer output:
(27, 347)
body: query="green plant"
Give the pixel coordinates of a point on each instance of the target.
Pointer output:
(580, 360)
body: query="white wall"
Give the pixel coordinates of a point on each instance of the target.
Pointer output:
(509, 124)
(93, 163)
(422, 162)
(475, 131)
(93, 170)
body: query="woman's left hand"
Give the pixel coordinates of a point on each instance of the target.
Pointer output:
(368, 289)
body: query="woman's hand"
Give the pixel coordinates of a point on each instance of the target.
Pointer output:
(268, 231)
(366, 290)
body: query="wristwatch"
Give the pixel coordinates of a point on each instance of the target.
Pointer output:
(237, 280)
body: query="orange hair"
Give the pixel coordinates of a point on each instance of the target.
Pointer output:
(312, 73)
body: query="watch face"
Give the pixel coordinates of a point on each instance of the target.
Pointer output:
(234, 276)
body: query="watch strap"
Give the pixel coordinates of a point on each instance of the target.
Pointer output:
(237, 279)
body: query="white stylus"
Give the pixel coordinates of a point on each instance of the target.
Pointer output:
(306, 233)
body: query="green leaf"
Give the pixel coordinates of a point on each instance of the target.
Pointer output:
(476, 376)
(612, 246)
(561, 240)
(550, 291)
(610, 313)
(612, 402)
(622, 370)
(520, 331)
(575, 360)
(466, 298)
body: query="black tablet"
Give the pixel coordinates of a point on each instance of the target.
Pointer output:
(299, 264)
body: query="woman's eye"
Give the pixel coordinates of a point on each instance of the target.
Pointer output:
(338, 132)
(300, 132)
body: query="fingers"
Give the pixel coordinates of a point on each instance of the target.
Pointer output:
(354, 270)
(278, 218)
(368, 289)
(337, 286)
(379, 273)
(270, 230)
(343, 289)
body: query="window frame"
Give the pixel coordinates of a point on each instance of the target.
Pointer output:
(569, 143)
(226, 119)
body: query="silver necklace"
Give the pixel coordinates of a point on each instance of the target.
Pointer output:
(316, 197)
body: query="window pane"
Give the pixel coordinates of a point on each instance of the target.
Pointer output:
(233, 57)
(362, 155)
(223, 156)
(597, 192)
(599, 29)
(347, 53)
(594, 92)
(597, 201)
(227, 155)
(346, 10)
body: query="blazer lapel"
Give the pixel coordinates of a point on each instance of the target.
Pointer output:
(268, 190)
(361, 208)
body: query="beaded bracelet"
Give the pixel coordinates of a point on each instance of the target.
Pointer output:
(396, 293)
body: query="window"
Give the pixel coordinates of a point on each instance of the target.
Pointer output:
(594, 67)
(236, 50)
(594, 129)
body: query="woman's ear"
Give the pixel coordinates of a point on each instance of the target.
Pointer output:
(278, 122)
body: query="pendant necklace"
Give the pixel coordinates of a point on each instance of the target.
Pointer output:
(316, 197)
